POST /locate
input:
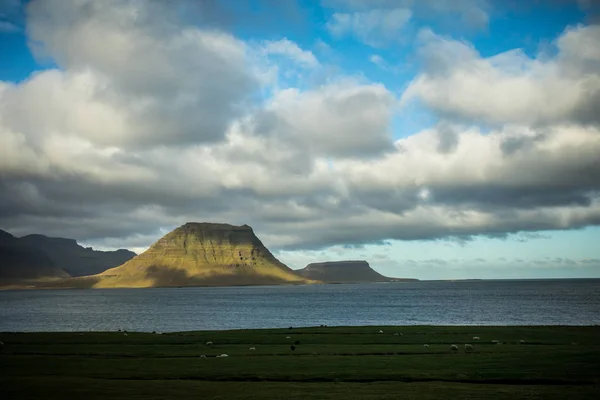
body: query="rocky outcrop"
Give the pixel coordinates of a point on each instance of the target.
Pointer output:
(344, 272)
(202, 254)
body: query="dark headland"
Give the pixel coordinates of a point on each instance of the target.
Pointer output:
(345, 272)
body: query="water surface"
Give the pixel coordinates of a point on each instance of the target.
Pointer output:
(527, 302)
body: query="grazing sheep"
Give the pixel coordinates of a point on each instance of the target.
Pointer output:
(495, 341)
(380, 331)
(202, 356)
(223, 355)
(252, 348)
(475, 337)
(288, 337)
(426, 345)
(521, 341)
(453, 347)
(125, 334)
(468, 347)
(209, 343)
(292, 347)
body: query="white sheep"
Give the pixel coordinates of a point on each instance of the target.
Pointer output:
(521, 341)
(475, 337)
(380, 331)
(453, 347)
(202, 356)
(209, 343)
(468, 346)
(495, 342)
(125, 334)
(252, 348)
(398, 334)
(223, 355)
(426, 345)
(288, 337)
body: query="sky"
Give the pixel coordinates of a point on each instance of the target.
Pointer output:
(435, 139)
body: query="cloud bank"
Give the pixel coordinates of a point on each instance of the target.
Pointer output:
(148, 121)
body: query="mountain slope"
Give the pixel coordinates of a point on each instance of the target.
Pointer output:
(202, 254)
(19, 262)
(344, 272)
(76, 260)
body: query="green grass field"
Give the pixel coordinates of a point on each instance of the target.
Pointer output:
(328, 363)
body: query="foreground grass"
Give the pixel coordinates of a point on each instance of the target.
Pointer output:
(328, 363)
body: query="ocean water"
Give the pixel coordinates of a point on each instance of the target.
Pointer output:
(526, 302)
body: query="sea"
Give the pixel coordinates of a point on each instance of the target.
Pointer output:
(485, 302)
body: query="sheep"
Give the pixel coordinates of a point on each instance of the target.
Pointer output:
(475, 337)
(252, 348)
(125, 334)
(398, 334)
(209, 343)
(292, 347)
(468, 347)
(495, 341)
(1, 343)
(521, 341)
(453, 347)
(202, 355)
(426, 345)
(223, 355)
(288, 337)
(380, 331)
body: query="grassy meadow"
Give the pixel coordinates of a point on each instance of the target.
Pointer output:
(327, 363)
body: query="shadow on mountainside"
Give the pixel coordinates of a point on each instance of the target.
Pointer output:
(164, 276)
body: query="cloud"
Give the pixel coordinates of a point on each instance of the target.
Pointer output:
(472, 13)
(290, 49)
(8, 27)
(511, 88)
(374, 27)
(152, 81)
(162, 122)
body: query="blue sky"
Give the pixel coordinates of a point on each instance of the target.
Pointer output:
(461, 134)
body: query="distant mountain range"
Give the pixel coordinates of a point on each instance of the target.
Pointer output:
(345, 272)
(42, 257)
(195, 254)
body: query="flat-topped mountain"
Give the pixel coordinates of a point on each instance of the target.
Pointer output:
(202, 254)
(345, 272)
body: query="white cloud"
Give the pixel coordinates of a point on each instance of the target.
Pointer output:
(161, 83)
(376, 27)
(290, 49)
(511, 87)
